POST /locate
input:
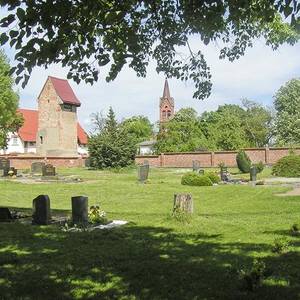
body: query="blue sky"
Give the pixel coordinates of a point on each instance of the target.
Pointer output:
(256, 76)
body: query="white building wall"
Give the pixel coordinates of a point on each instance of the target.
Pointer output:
(82, 149)
(144, 150)
(14, 145)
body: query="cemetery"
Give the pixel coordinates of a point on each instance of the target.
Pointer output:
(139, 233)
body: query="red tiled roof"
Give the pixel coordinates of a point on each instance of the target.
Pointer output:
(81, 134)
(64, 91)
(30, 127)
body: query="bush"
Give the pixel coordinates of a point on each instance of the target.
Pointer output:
(259, 166)
(280, 245)
(213, 177)
(194, 179)
(288, 166)
(243, 162)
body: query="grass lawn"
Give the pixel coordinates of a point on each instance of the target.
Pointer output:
(154, 256)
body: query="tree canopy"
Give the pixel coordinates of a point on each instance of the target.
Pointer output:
(287, 106)
(88, 35)
(10, 121)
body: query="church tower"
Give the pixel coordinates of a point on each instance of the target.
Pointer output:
(166, 105)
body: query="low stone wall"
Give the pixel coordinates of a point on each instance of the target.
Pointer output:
(212, 159)
(24, 162)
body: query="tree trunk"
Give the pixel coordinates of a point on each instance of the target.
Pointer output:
(184, 202)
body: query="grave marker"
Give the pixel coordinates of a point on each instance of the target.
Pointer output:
(183, 202)
(41, 210)
(5, 215)
(37, 167)
(253, 172)
(143, 172)
(4, 163)
(48, 170)
(196, 165)
(80, 209)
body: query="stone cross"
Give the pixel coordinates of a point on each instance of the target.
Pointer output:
(41, 210)
(80, 209)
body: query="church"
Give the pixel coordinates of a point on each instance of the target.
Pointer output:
(166, 113)
(52, 129)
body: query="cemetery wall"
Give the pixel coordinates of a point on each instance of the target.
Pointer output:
(212, 159)
(24, 162)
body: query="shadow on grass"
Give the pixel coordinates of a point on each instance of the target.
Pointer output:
(131, 263)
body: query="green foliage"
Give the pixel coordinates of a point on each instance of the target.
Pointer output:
(280, 245)
(10, 120)
(287, 105)
(252, 278)
(100, 35)
(288, 166)
(194, 179)
(243, 161)
(181, 134)
(112, 147)
(214, 177)
(259, 166)
(295, 229)
(138, 127)
(97, 216)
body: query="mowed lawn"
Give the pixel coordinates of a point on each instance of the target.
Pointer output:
(154, 256)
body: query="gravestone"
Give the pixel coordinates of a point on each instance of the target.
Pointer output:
(183, 202)
(196, 165)
(143, 172)
(37, 167)
(5, 215)
(80, 209)
(87, 162)
(4, 163)
(146, 162)
(41, 210)
(253, 172)
(223, 173)
(48, 170)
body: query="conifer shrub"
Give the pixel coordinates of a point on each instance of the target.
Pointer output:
(194, 179)
(287, 166)
(243, 161)
(213, 177)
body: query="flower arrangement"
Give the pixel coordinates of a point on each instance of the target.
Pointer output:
(96, 215)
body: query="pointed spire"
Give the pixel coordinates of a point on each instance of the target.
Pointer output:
(166, 93)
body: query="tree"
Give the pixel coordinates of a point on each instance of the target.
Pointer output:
(88, 35)
(287, 106)
(10, 121)
(138, 127)
(182, 133)
(258, 123)
(111, 147)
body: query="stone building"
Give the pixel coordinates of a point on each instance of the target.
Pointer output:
(166, 105)
(53, 129)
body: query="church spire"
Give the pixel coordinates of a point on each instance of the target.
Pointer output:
(166, 93)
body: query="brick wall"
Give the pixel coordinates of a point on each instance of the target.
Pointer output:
(24, 162)
(212, 159)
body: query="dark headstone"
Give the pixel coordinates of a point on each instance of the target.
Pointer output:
(224, 173)
(80, 209)
(48, 170)
(253, 172)
(5, 215)
(143, 172)
(4, 163)
(41, 210)
(196, 165)
(37, 167)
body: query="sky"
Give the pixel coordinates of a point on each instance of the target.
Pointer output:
(256, 76)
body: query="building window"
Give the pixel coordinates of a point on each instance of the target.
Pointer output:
(15, 141)
(41, 140)
(67, 107)
(169, 114)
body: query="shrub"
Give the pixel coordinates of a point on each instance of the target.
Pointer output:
(288, 166)
(97, 216)
(213, 177)
(243, 162)
(252, 278)
(194, 179)
(259, 166)
(280, 245)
